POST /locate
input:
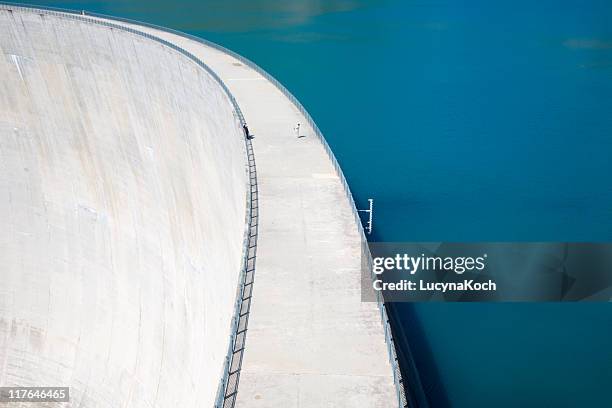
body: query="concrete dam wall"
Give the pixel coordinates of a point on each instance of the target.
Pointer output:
(132, 216)
(123, 191)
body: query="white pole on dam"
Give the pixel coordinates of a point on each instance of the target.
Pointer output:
(370, 212)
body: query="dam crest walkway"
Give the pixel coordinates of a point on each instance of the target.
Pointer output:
(311, 342)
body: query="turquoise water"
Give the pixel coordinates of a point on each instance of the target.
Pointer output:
(466, 121)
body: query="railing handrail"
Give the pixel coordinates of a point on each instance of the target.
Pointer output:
(402, 401)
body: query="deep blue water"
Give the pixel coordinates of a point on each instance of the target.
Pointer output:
(466, 121)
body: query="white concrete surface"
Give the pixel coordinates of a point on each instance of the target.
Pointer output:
(122, 216)
(311, 342)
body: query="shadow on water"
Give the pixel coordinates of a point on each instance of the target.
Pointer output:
(424, 387)
(221, 16)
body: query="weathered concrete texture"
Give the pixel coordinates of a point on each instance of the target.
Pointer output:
(311, 342)
(122, 216)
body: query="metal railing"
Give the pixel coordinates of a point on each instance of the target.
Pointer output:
(239, 342)
(230, 382)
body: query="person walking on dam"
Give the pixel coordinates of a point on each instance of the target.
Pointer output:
(247, 134)
(297, 130)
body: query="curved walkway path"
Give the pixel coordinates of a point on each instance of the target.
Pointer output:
(311, 342)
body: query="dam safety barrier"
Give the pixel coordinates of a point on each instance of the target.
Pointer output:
(226, 397)
(229, 384)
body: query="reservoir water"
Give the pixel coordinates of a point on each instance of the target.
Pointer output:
(465, 121)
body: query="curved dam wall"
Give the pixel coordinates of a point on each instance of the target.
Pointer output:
(122, 215)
